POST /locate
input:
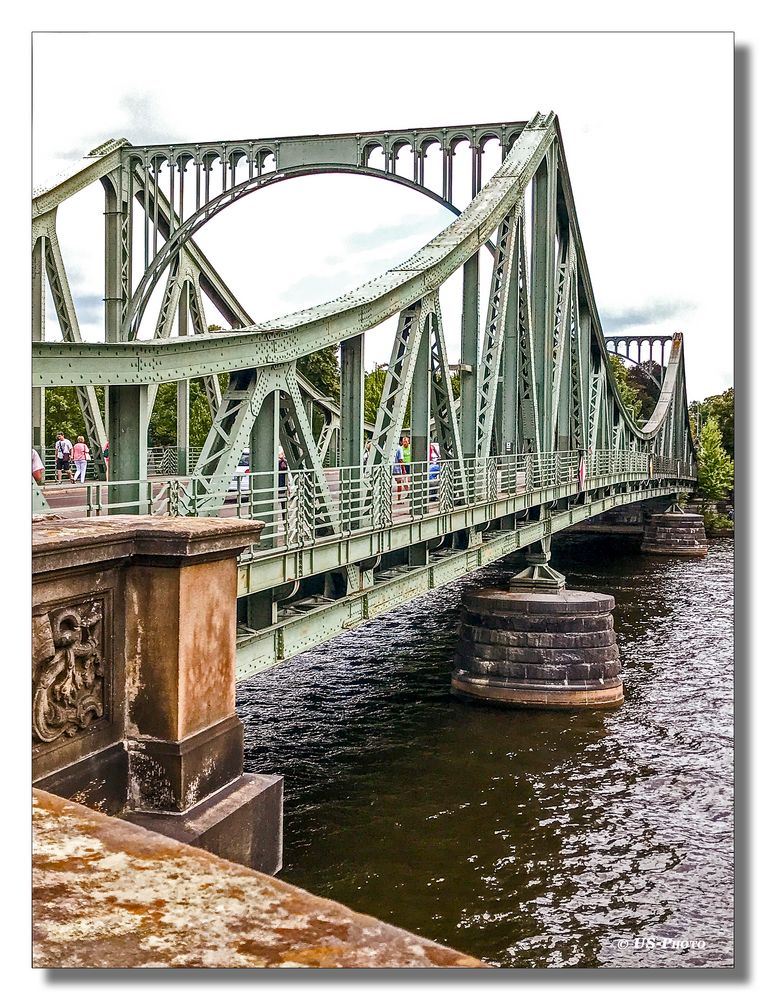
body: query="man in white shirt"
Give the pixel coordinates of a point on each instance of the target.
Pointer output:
(63, 456)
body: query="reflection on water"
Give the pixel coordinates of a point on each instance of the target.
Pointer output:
(525, 838)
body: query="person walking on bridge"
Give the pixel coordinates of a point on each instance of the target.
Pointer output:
(80, 456)
(63, 452)
(404, 458)
(398, 469)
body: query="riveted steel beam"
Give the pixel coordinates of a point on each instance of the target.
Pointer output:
(443, 404)
(310, 330)
(544, 288)
(469, 356)
(494, 331)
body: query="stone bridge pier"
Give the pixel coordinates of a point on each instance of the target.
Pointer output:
(134, 643)
(664, 529)
(538, 645)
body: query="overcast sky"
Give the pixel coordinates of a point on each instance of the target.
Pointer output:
(647, 130)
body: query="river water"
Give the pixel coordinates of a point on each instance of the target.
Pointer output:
(527, 839)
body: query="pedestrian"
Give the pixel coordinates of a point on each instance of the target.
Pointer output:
(367, 451)
(63, 452)
(398, 469)
(434, 462)
(80, 456)
(406, 462)
(105, 453)
(406, 454)
(433, 481)
(38, 469)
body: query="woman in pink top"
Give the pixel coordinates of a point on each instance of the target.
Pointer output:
(80, 456)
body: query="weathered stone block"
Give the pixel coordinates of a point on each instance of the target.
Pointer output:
(555, 640)
(241, 822)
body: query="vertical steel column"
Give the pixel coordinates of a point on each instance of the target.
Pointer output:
(584, 357)
(420, 420)
(564, 440)
(352, 424)
(116, 249)
(182, 390)
(38, 334)
(507, 413)
(469, 357)
(128, 407)
(351, 400)
(543, 297)
(264, 442)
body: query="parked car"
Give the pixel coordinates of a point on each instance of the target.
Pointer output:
(240, 484)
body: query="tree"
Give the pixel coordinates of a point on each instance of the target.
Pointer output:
(720, 408)
(62, 413)
(322, 369)
(162, 425)
(715, 469)
(628, 393)
(645, 378)
(373, 393)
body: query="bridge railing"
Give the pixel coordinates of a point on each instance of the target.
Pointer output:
(298, 507)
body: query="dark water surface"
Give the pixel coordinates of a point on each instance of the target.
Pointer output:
(524, 838)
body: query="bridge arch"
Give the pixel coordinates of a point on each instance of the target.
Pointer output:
(216, 205)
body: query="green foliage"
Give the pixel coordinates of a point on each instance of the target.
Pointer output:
(62, 413)
(715, 469)
(374, 382)
(716, 522)
(628, 393)
(373, 392)
(645, 379)
(322, 369)
(721, 409)
(162, 426)
(683, 499)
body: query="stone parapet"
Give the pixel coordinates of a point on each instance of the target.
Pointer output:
(108, 894)
(134, 654)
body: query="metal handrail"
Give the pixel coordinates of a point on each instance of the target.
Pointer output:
(296, 512)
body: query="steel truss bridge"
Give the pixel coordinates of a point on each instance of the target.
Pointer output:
(538, 440)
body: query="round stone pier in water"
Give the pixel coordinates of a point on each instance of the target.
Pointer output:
(675, 535)
(549, 650)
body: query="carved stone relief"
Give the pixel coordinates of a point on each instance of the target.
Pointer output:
(67, 670)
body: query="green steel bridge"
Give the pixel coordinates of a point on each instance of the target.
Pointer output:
(538, 440)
